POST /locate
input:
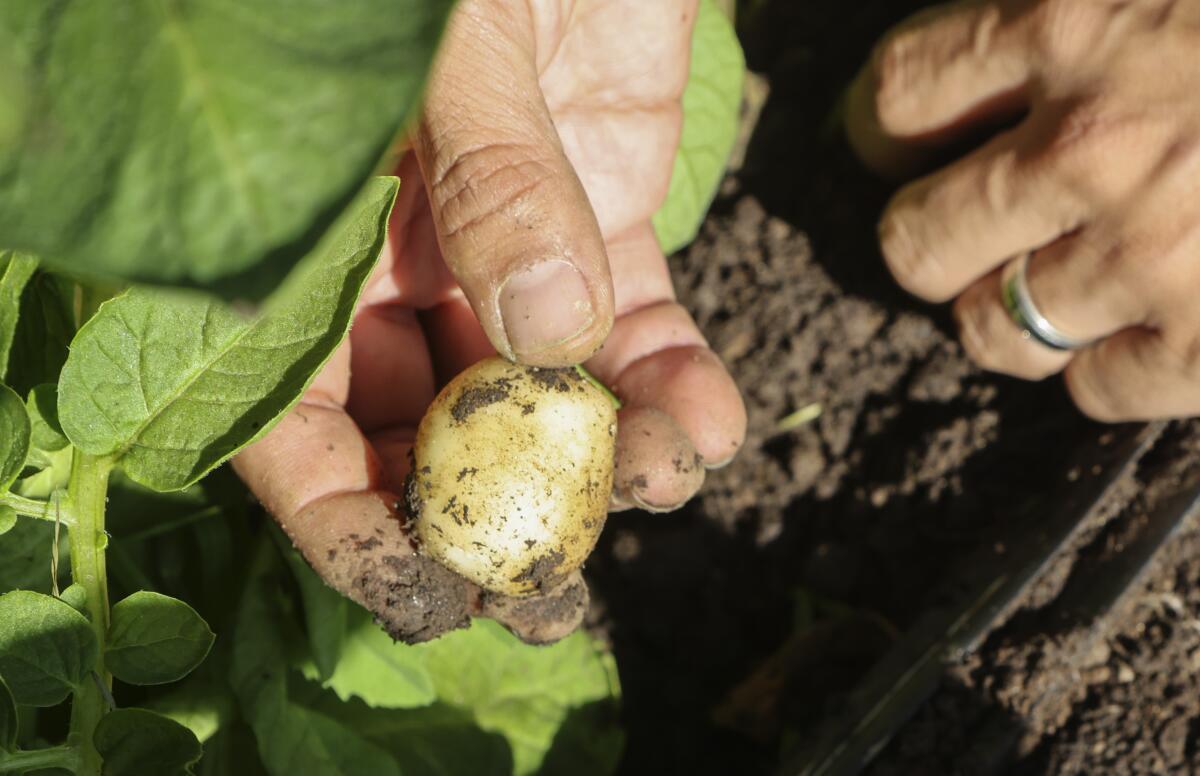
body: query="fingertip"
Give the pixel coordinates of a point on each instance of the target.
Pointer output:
(656, 467)
(692, 386)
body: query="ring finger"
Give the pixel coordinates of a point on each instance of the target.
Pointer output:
(1076, 283)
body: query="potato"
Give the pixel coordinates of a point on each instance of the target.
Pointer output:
(512, 475)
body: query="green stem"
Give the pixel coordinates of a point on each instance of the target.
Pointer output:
(42, 510)
(88, 490)
(591, 378)
(65, 757)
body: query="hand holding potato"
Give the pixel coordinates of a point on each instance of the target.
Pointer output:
(522, 228)
(1098, 180)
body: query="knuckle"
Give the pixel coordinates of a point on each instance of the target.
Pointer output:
(1092, 396)
(486, 182)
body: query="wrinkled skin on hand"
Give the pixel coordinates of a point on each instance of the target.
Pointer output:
(522, 227)
(1098, 178)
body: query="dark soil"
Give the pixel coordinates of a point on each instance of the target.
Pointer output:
(743, 623)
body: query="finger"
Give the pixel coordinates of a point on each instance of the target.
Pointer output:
(1136, 374)
(543, 618)
(941, 233)
(934, 77)
(513, 221)
(392, 373)
(661, 428)
(317, 476)
(1080, 285)
(455, 338)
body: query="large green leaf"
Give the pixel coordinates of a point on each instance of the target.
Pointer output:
(172, 384)
(46, 648)
(135, 742)
(711, 103)
(292, 738)
(155, 639)
(15, 271)
(188, 141)
(14, 436)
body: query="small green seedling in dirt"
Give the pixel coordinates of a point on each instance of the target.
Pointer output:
(512, 475)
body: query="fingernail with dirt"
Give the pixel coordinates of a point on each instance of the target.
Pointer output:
(544, 305)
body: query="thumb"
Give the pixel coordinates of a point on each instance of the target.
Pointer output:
(513, 221)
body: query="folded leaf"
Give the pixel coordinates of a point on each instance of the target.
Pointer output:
(136, 742)
(171, 384)
(14, 436)
(15, 271)
(711, 103)
(217, 135)
(155, 639)
(9, 723)
(47, 649)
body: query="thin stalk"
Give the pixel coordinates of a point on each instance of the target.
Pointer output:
(88, 491)
(27, 507)
(65, 757)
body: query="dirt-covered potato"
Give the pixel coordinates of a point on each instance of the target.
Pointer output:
(512, 475)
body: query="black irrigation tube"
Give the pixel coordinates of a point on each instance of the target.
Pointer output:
(895, 688)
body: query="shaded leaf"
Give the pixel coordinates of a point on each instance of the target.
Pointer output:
(325, 612)
(711, 103)
(75, 596)
(218, 136)
(10, 724)
(45, 432)
(172, 384)
(14, 436)
(8, 519)
(136, 742)
(15, 271)
(25, 556)
(155, 639)
(44, 332)
(46, 648)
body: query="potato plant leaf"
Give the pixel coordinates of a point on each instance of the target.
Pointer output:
(44, 331)
(9, 723)
(220, 135)
(45, 432)
(8, 519)
(711, 103)
(25, 556)
(46, 647)
(136, 742)
(155, 639)
(15, 271)
(76, 597)
(172, 384)
(14, 436)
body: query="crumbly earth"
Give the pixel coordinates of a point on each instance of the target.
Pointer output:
(743, 622)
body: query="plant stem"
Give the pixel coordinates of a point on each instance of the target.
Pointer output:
(27, 507)
(88, 490)
(65, 757)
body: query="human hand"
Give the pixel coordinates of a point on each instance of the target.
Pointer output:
(546, 145)
(1099, 179)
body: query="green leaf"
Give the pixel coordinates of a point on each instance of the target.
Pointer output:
(155, 639)
(219, 135)
(292, 738)
(525, 693)
(10, 724)
(44, 332)
(203, 704)
(14, 436)
(15, 271)
(711, 103)
(373, 667)
(325, 612)
(8, 519)
(46, 648)
(75, 596)
(172, 384)
(46, 433)
(135, 742)
(25, 556)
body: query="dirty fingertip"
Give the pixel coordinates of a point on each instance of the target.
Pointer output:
(540, 619)
(656, 467)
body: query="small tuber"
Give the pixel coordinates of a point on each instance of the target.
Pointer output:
(512, 475)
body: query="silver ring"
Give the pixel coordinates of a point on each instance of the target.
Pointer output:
(1033, 325)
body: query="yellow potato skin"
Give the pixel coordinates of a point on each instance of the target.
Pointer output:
(512, 476)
